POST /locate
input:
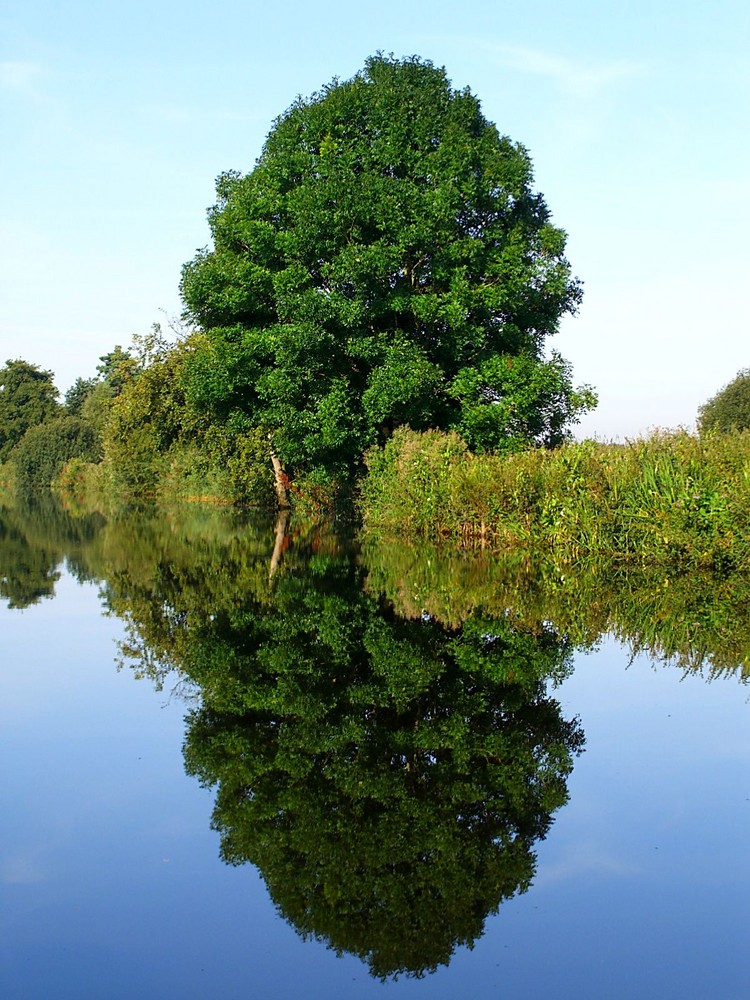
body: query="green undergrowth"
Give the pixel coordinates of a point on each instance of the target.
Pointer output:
(670, 499)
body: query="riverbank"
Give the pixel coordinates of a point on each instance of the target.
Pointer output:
(668, 499)
(671, 499)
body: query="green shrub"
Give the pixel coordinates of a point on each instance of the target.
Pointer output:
(43, 451)
(222, 467)
(80, 485)
(729, 409)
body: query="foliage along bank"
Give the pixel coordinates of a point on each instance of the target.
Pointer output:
(672, 498)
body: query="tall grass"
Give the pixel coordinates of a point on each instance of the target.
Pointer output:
(670, 498)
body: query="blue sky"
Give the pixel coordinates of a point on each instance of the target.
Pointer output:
(116, 119)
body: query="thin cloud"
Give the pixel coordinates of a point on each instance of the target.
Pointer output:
(21, 870)
(583, 862)
(580, 78)
(18, 76)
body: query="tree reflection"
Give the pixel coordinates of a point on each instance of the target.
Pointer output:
(28, 572)
(36, 536)
(388, 777)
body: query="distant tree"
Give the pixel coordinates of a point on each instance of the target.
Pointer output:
(43, 450)
(117, 368)
(27, 397)
(78, 393)
(385, 263)
(729, 409)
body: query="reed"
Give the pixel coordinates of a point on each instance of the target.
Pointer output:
(669, 498)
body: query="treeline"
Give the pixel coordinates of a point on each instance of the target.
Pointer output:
(140, 430)
(38, 434)
(386, 268)
(134, 431)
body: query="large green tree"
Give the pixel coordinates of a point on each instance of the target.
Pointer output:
(27, 397)
(387, 261)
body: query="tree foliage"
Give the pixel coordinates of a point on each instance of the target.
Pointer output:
(78, 393)
(27, 397)
(43, 451)
(155, 436)
(729, 409)
(386, 262)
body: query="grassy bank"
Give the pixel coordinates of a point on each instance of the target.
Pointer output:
(671, 498)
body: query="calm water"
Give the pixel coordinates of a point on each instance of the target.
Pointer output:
(245, 762)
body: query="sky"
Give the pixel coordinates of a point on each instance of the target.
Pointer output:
(116, 118)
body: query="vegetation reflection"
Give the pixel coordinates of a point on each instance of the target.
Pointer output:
(388, 777)
(36, 536)
(377, 720)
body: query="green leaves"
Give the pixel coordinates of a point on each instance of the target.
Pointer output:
(28, 397)
(510, 402)
(403, 388)
(387, 243)
(729, 409)
(41, 453)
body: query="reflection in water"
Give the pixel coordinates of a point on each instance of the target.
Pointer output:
(388, 777)
(699, 622)
(377, 723)
(27, 573)
(35, 537)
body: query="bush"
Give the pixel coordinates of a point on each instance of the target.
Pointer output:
(222, 467)
(671, 498)
(80, 486)
(40, 455)
(729, 409)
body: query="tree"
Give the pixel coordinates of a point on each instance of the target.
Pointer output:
(78, 393)
(41, 453)
(384, 260)
(27, 397)
(117, 368)
(729, 409)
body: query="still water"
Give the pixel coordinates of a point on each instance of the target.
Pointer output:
(246, 759)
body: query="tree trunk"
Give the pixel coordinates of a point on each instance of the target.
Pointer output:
(280, 481)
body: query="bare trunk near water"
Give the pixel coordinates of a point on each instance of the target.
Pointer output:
(280, 481)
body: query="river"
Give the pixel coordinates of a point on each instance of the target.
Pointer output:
(249, 759)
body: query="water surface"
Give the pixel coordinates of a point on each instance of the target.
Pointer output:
(240, 761)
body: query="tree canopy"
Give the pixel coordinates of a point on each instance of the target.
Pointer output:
(27, 397)
(387, 261)
(729, 409)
